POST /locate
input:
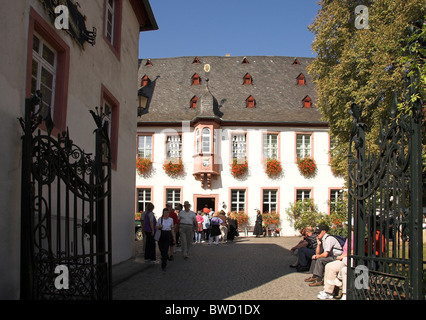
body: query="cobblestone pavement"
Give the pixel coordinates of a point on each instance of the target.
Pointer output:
(247, 269)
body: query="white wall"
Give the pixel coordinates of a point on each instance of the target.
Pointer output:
(89, 68)
(256, 177)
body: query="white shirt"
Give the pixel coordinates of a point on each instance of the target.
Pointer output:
(167, 224)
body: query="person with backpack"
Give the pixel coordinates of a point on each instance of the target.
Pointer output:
(328, 249)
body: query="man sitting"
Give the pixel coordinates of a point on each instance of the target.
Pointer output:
(328, 249)
(305, 253)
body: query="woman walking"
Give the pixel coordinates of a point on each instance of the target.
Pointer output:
(166, 225)
(215, 230)
(258, 225)
(233, 226)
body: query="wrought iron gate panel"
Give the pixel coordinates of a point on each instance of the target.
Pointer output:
(66, 213)
(385, 209)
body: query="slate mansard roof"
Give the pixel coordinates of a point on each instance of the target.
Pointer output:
(278, 98)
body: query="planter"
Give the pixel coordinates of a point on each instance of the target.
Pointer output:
(238, 169)
(307, 166)
(273, 167)
(173, 168)
(143, 165)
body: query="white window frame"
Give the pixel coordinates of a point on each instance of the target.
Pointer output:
(110, 9)
(143, 194)
(143, 150)
(304, 194)
(334, 196)
(206, 135)
(175, 200)
(270, 147)
(173, 146)
(303, 145)
(44, 64)
(270, 203)
(239, 145)
(238, 205)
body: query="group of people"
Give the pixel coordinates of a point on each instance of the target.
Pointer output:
(325, 257)
(182, 226)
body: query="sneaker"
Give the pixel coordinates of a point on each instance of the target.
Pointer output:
(155, 262)
(343, 297)
(325, 296)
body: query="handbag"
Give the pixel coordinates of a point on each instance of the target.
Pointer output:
(157, 234)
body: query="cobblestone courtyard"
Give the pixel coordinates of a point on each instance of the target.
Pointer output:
(248, 269)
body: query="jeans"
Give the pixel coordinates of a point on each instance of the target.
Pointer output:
(305, 256)
(164, 244)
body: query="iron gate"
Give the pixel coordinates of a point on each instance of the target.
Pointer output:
(385, 208)
(65, 211)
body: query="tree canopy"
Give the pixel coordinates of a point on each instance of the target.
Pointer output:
(368, 65)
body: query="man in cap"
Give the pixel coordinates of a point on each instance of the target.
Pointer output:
(328, 249)
(187, 219)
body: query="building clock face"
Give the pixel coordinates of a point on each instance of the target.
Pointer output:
(206, 162)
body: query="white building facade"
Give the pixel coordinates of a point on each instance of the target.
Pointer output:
(213, 121)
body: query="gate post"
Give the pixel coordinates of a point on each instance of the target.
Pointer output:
(416, 207)
(26, 267)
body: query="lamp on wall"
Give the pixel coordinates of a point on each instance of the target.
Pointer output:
(142, 103)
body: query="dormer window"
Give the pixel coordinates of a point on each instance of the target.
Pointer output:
(195, 79)
(196, 60)
(148, 63)
(247, 79)
(301, 81)
(193, 102)
(250, 102)
(296, 61)
(145, 81)
(245, 61)
(307, 102)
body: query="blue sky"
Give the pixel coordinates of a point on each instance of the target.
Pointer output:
(236, 27)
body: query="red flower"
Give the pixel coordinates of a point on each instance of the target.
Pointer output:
(238, 169)
(143, 165)
(173, 168)
(273, 167)
(307, 166)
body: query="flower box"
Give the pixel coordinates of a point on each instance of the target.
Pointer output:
(273, 167)
(307, 166)
(174, 167)
(143, 165)
(239, 167)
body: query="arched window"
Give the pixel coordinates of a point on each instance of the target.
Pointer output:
(247, 79)
(197, 141)
(206, 140)
(250, 102)
(195, 79)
